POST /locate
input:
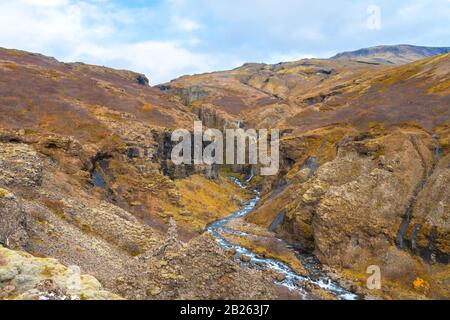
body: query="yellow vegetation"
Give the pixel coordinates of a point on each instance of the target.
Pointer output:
(203, 201)
(3, 193)
(298, 69)
(11, 66)
(398, 75)
(226, 171)
(442, 88)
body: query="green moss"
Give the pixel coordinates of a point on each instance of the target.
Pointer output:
(30, 132)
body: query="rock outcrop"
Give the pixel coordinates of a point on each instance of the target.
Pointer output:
(368, 207)
(24, 277)
(196, 270)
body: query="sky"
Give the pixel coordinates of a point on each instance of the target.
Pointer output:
(165, 39)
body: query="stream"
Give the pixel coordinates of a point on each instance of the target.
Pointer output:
(292, 280)
(402, 242)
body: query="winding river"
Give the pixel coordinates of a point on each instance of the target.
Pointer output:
(292, 280)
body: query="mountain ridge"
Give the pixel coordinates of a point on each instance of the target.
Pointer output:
(392, 54)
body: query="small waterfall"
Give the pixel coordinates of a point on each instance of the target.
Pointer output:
(401, 242)
(437, 151)
(250, 176)
(404, 226)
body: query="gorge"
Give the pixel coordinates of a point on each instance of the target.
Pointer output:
(87, 180)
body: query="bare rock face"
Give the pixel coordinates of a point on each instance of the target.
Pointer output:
(371, 197)
(13, 221)
(45, 210)
(427, 233)
(212, 117)
(19, 165)
(196, 270)
(382, 201)
(368, 186)
(24, 277)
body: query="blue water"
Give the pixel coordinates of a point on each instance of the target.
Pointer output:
(98, 179)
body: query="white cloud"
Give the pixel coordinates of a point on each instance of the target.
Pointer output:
(45, 3)
(85, 31)
(185, 24)
(160, 60)
(169, 38)
(290, 56)
(48, 25)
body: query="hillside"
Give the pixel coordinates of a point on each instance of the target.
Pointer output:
(365, 150)
(313, 93)
(86, 178)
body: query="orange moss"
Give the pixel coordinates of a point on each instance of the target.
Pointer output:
(11, 66)
(421, 285)
(148, 107)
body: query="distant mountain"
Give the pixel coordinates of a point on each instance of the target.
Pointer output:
(396, 54)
